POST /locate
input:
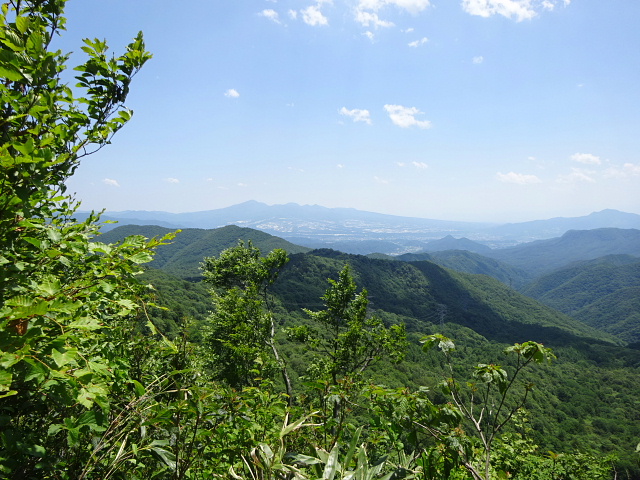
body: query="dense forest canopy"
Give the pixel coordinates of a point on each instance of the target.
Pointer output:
(284, 363)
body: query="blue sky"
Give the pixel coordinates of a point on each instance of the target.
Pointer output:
(481, 110)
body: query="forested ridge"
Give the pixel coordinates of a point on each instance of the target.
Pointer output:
(232, 354)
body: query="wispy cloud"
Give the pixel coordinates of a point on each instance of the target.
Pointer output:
(417, 43)
(478, 60)
(366, 13)
(577, 175)
(367, 19)
(111, 182)
(171, 180)
(411, 6)
(405, 117)
(516, 9)
(518, 178)
(420, 165)
(271, 15)
(357, 115)
(627, 170)
(586, 158)
(381, 181)
(231, 93)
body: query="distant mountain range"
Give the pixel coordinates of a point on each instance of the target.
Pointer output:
(355, 231)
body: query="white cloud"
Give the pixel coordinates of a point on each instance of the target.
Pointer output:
(271, 15)
(518, 178)
(111, 182)
(369, 35)
(231, 93)
(411, 6)
(313, 16)
(405, 117)
(408, 30)
(172, 180)
(366, 13)
(586, 158)
(627, 170)
(340, 165)
(631, 169)
(577, 175)
(420, 165)
(478, 60)
(368, 18)
(417, 43)
(381, 181)
(293, 14)
(357, 115)
(517, 9)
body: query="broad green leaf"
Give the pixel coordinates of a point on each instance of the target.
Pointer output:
(304, 459)
(49, 287)
(141, 257)
(6, 378)
(8, 359)
(331, 467)
(64, 358)
(22, 24)
(85, 323)
(166, 456)
(352, 447)
(10, 74)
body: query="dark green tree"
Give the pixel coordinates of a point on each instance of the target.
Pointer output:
(346, 341)
(67, 305)
(242, 328)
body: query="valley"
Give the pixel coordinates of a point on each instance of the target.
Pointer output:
(546, 291)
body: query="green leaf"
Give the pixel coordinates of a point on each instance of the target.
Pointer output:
(22, 24)
(64, 358)
(304, 459)
(6, 378)
(352, 447)
(10, 74)
(8, 359)
(141, 257)
(332, 464)
(166, 456)
(86, 323)
(49, 287)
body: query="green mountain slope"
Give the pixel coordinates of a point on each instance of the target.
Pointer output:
(617, 313)
(586, 400)
(544, 256)
(469, 262)
(184, 255)
(602, 293)
(425, 292)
